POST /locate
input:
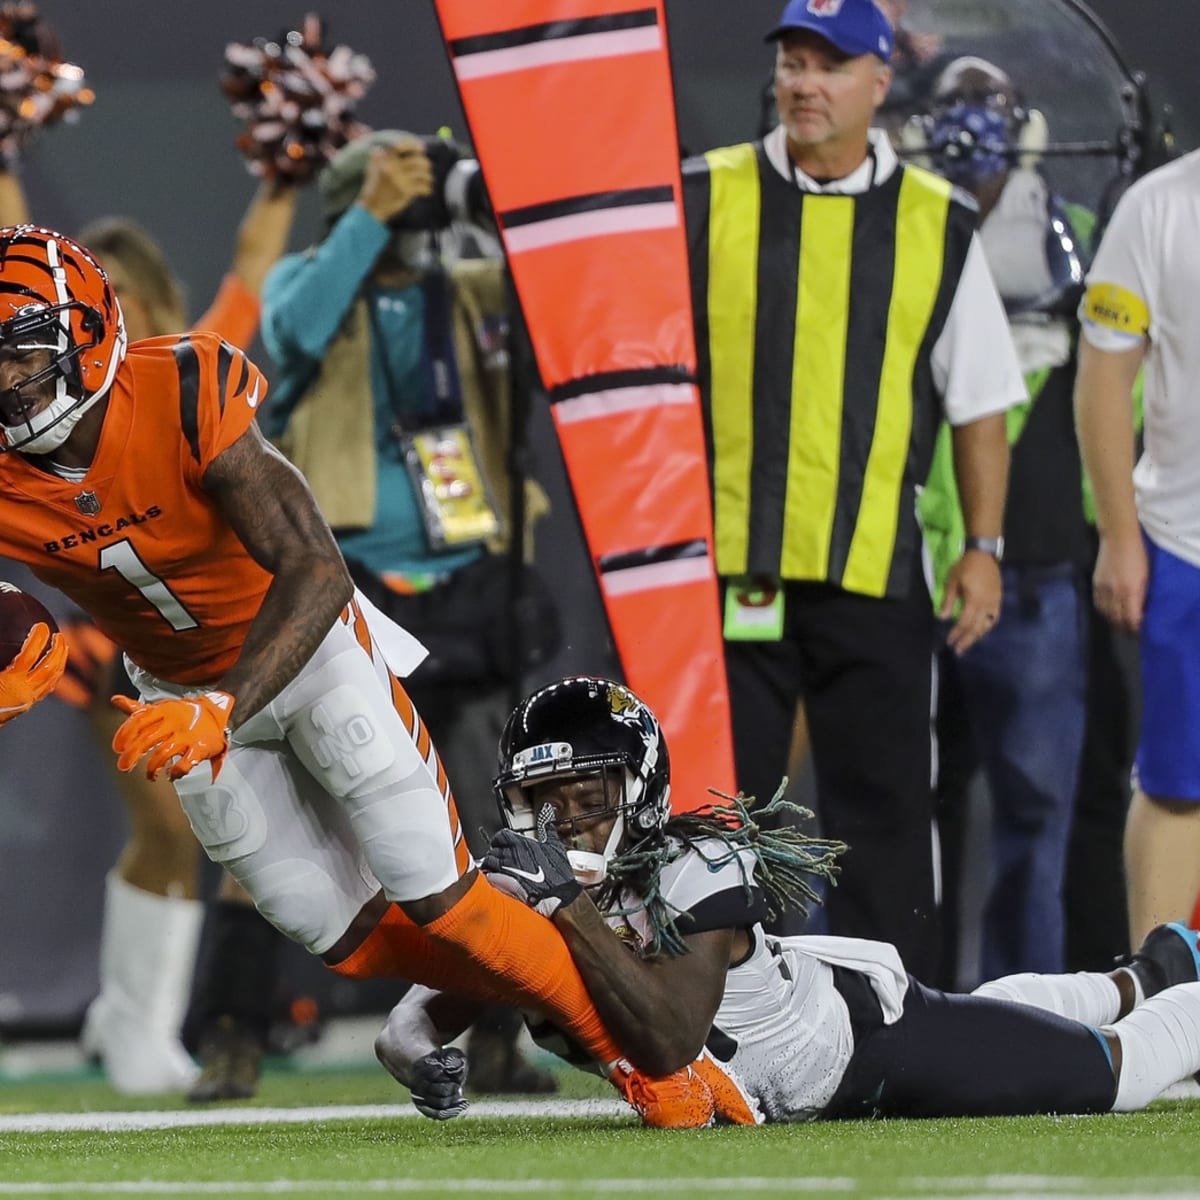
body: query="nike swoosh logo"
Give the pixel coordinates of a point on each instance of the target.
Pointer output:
(252, 399)
(540, 877)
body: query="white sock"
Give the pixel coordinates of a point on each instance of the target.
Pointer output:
(1086, 996)
(1160, 1045)
(1139, 992)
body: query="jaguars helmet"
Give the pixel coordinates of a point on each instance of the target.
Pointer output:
(55, 296)
(585, 726)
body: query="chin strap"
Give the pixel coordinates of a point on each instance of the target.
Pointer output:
(592, 869)
(58, 430)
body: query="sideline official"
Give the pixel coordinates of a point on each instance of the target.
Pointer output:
(844, 308)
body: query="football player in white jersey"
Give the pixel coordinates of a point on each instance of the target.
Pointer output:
(663, 916)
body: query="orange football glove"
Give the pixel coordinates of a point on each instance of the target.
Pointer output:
(177, 734)
(33, 672)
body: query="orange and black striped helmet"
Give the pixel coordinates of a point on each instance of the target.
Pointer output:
(55, 296)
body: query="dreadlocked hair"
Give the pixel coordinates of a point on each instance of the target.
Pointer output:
(787, 860)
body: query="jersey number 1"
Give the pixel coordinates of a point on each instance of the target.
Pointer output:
(123, 558)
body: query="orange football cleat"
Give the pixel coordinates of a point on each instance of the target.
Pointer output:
(734, 1105)
(679, 1101)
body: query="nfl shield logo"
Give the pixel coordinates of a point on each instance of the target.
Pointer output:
(88, 503)
(825, 8)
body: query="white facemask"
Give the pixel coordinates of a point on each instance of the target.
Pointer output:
(591, 868)
(53, 425)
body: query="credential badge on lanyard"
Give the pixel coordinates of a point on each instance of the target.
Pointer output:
(455, 504)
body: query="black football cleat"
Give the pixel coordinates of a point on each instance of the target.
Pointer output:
(1168, 955)
(230, 1056)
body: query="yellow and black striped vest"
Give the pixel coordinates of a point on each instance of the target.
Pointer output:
(816, 318)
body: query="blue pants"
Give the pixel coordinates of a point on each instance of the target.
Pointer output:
(1024, 686)
(1168, 755)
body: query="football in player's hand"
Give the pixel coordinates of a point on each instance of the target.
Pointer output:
(19, 613)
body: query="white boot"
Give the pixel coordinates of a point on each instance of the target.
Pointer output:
(147, 954)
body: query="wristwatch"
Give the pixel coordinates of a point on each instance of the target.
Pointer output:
(988, 545)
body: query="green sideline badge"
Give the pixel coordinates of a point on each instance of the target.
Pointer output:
(753, 609)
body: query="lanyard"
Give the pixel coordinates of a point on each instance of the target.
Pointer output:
(440, 402)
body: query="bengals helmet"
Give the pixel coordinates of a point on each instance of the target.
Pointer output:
(585, 726)
(55, 296)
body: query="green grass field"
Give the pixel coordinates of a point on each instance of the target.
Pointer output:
(301, 1138)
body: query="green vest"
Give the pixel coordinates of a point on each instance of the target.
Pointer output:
(816, 316)
(939, 507)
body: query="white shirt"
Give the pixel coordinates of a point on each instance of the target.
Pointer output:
(975, 366)
(1142, 287)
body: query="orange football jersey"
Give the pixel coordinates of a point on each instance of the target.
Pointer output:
(139, 544)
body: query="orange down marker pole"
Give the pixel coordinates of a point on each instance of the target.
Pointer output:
(572, 116)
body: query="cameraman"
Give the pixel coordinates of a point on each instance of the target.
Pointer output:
(393, 396)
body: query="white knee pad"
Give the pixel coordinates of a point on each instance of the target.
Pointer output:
(408, 842)
(225, 815)
(342, 725)
(303, 901)
(286, 842)
(350, 748)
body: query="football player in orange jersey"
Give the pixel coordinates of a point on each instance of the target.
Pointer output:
(152, 916)
(138, 484)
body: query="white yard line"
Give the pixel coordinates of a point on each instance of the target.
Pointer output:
(462, 1187)
(983, 1187)
(1091, 1194)
(113, 1122)
(979, 1189)
(1096, 1186)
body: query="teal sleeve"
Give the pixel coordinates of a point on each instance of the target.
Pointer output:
(305, 300)
(306, 296)
(1083, 224)
(938, 508)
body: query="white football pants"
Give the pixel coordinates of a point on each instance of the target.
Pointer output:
(329, 792)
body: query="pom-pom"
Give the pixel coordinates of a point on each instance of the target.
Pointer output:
(36, 87)
(297, 99)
